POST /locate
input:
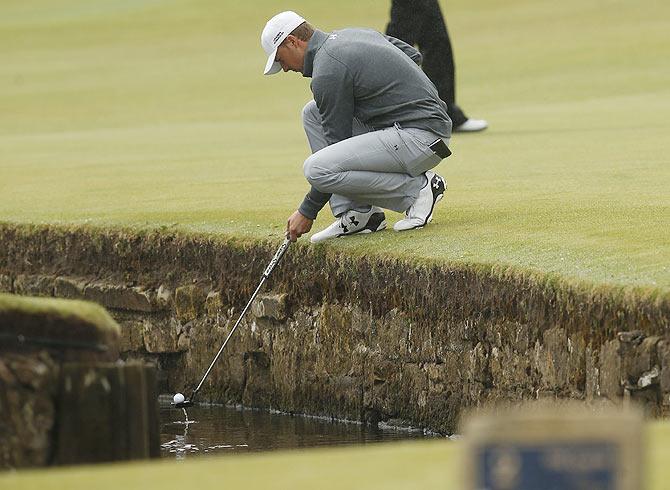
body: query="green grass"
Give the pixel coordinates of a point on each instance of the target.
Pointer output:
(388, 466)
(31, 315)
(155, 113)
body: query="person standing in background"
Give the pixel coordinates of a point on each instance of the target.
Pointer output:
(420, 23)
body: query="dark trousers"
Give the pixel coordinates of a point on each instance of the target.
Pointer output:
(420, 23)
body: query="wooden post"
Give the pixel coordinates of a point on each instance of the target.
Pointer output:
(107, 412)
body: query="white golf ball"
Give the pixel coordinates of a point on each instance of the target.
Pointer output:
(178, 398)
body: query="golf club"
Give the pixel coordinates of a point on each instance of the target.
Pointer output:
(268, 270)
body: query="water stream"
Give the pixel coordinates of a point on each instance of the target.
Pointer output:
(207, 429)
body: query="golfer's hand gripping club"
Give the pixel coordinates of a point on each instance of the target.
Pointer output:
(297, 225)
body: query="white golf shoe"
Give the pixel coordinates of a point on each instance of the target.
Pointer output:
(472, 126)
(353, 222)
(421, 212)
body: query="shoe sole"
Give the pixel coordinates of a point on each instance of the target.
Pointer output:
(371, 227)
(465, 131)
(381, 226)
(430, 216)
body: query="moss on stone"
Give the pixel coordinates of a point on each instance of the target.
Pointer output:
(425, 289)
(58, 320)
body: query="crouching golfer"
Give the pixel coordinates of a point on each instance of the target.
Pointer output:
(376, 127)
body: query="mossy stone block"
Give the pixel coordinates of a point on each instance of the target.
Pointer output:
(77, 329)
(189, 302)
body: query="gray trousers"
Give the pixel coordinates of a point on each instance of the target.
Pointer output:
(382, 168)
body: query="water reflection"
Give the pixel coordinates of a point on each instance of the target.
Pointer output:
(214, 429)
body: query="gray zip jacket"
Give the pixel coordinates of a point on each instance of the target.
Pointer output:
(362, 74)
(358, 73)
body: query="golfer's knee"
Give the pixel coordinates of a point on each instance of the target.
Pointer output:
(314, 169)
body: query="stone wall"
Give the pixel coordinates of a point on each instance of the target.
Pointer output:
(65, 397)
(28, 389)
(367, 338)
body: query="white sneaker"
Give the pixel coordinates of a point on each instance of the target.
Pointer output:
(420, 213)
(353, 222)
(471, 126)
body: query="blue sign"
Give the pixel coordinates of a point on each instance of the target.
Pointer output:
(553, 466)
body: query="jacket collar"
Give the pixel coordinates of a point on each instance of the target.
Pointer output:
(313, 46)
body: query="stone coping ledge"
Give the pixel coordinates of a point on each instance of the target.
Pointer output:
(57, 324)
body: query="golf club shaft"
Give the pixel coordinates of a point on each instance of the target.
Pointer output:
(268, 270)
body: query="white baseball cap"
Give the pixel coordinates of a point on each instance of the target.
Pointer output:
(276, 30)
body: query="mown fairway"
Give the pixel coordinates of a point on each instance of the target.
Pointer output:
(149, 113)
